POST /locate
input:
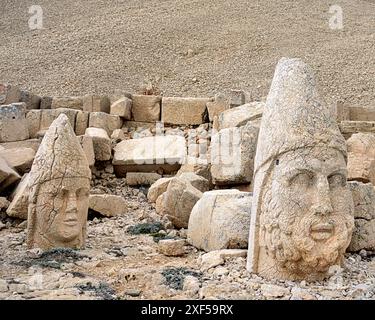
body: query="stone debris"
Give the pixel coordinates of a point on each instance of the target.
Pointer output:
(18, 207)
(141, 178)
(20, 159)
(171, 247)
(108, 205)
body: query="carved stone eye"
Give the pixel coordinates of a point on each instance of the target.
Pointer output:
(336, 180)
(303, 179)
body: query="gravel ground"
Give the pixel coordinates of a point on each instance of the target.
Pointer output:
(186, 47)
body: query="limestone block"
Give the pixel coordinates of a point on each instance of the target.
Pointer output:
(81, 123)
(141, 178)
(8, 176)
(33, 118)
(157, 189)
(101, 142)
(220, 220)
(106, 121)
(46, 102)
(219, 105)
(48, 116)
(20, 159)
(108, 205)
(32, 101)
(188, 111)
(13, 124)
(171, 247)
(146, 108)
(67, 102)
(30, 143)
(20, 200)
(9, 94)
(96, 103)
(366, 113)
(122, 108)
(87, 145)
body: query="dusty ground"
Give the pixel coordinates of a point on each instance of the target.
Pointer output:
(186, 47)
(119, 265)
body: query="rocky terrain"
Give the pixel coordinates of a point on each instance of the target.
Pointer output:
(186, 48)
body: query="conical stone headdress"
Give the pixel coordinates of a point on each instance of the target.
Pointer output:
(294, 117)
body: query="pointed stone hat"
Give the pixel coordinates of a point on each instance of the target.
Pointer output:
(295, 117)
(59, 156)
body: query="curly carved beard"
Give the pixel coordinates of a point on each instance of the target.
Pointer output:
(288, 239)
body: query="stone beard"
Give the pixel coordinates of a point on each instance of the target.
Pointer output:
(59, 210)
(307, 213)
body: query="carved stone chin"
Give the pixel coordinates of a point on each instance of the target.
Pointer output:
(302, 214)
(59, 190)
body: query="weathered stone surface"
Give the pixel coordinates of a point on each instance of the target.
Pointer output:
(67, 102)
(232, 155)
(105, 121)
(108, 205)
(197, 166)
(122, 108)
(146, 108)
(138, 124)
(301, 155)
(18, 208)
(149, 154)
(46, 102)
(195, 180)
(215, 258)
(141, 178)
(4, 203)
(8, 176)
(364, 214)
(9, 94)
(219, 105)
(102, 143)
(118, 135)
(95, 103)
(273, 291)
(48, 116)
(188, 111)
(220, 220)
(239, 116)
(13, 124)
(342, 112)
(348, 128)
(32, 101)
(34, 118)
(87, 145)
(81, 123)
(30, 143)
(366, 113)
(20, 159)
(171, 247)
(236, 98)
(159, 204)
(361, 157)
(59, 183)
(179, 200)
(157, 189)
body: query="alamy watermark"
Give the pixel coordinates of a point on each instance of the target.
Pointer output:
(36, 19)
(336, 21)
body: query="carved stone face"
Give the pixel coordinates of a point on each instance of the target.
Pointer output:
(307, 210)
(61, 209)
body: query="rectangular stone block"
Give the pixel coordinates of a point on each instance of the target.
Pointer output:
(219, 105)
(88, 148)
(46, 102)
(96, 103)
(184, 111)
(348, 128)
(20, 159)
(67, 102)
(362, 113)
(30, 143)
(108, 122)
(122, 108)
(33, 118)
(31, 100)
(9, 94)
(101, 142)
(141, 178)
(13, 124)
(48, 116)
(342, 112)
(82, 122)
(146, 108)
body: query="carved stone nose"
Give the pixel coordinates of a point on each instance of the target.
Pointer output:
(71, 205)
(323, 204)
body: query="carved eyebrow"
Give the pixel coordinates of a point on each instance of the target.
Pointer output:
(339, 171)
(290, 173)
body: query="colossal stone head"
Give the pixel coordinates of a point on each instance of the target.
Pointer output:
(59, 190)
(302, 213)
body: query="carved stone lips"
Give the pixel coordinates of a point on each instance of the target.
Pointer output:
(322, 227)
(71, 221)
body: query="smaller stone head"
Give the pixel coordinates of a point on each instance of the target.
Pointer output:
(59, 190)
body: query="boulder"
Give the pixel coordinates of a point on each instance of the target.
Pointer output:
(13, 124)
(67, 102)
(105, 121)
(108, 205)
(232, 155)
(20, 159)
(185, 111)
(8, 176)
(179, 200)
(172, 247)
(220, 220)
(141, 178)
(157, 189)
(146, 108)
(197, 166)
(101, 142)
(96, 103)
(122, 108)
(195, 180)
(9, 94)
(19, 204)
(239, 116)
(150, 154)
(361, 157)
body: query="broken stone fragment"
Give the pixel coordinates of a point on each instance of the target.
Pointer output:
(101, 142)
(87, 145)
(8, 176)
(96, 103)
(118, 135)
(108, 122)
(220, 220)
(13, 124)
(81, 123)
(122, 108)
(237, 98)
(9, 94)
(20, 159)
(219, 105)
(4, 203)
(31, 100)
(195, 180)
(108, 205)
(171, 247)
(18, 207)
(141, 178)
(157, 189)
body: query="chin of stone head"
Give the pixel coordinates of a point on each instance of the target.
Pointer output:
(312, 204)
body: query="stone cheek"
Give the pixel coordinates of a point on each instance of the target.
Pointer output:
(60, 211)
